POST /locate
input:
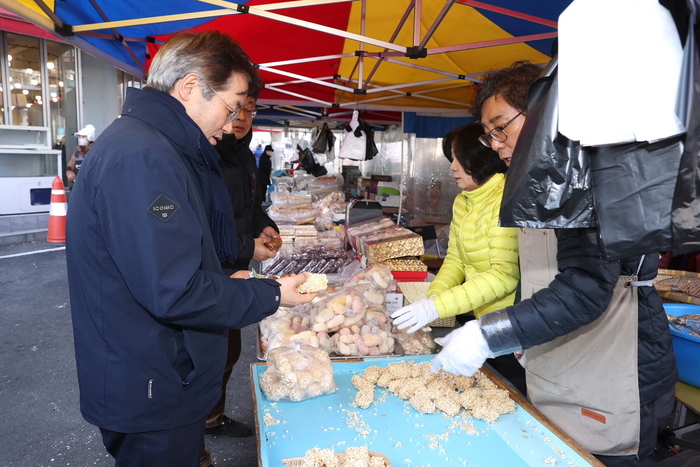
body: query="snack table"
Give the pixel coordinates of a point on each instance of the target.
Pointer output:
(390, 427)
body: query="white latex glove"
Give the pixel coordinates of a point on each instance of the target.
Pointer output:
(417, 315)
(464, 350)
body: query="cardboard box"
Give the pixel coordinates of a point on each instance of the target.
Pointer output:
(388, 189)
(390, 201)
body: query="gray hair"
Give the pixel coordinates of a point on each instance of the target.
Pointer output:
(213, 56)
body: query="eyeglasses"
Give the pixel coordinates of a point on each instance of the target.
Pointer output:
(252, 112)
(232, 114)
(497, 134)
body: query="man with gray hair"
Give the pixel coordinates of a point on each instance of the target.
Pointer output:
(149, 227)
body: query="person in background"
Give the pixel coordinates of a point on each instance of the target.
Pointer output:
(254, 228)
(86, 137)
(480, 273)
(257, 152)
(598, 353)
(265, 170)
(151, 306)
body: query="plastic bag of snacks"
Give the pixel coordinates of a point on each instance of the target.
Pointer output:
(418, 343)
(286, 326)
(296, 373)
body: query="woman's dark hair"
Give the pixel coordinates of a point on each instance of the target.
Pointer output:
(447, 143)
(511, 84)
(478, 161)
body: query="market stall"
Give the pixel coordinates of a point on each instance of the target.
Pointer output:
(406, 437)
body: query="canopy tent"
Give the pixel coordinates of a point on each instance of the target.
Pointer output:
(392, 55)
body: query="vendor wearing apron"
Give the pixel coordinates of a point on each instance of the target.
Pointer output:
(599, 359)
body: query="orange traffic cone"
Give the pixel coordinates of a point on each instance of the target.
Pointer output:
(57, 212)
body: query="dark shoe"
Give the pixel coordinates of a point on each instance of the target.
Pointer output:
(230, 427)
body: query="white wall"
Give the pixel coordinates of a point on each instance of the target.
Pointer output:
(100, 93)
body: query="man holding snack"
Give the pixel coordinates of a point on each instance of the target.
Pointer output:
(255, 231)
(257, 236)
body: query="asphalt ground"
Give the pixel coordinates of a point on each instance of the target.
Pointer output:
(41, 424)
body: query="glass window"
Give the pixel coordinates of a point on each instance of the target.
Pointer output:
(2, 88)
(61, 95)
(25, 80)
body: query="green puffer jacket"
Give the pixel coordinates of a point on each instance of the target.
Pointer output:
(480, 272)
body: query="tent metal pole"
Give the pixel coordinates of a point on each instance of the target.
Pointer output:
(104, 35)
(280, 5)
(401, 174)
(263, 12)
(507, 12)
(361, 59)
(417, 16)
(310, 80)
(328, 30)
(48, 11)
(152, 20)
(436, 23)
(433, 70)
(301, 96)
(299, 81)
(307, 60)
(400, 26)
(117, 37)
(407, 85)
(493, 43)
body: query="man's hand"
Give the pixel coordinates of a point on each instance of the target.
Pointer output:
(242, 274)
(464, 350)
(269, 233)
(288, 289)
(417, 315)
(262, 252)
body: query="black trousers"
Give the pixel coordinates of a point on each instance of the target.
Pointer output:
(180, 446)
(653, 418)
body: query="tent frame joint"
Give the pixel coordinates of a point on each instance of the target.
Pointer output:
(64, 29)
(361, 92)
(243, 9)
(416, 52)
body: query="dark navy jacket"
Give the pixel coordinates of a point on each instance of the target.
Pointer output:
(581, 292)
(150, 304)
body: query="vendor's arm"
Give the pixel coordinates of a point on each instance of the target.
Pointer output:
(161, 261)
(451, 273)
(577, 296)
(496, 273)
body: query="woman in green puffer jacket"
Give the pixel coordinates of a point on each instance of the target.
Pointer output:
(480, 272)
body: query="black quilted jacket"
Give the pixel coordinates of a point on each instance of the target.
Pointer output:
(580, 293)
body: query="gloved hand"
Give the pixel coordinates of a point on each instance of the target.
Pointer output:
(521, 357)
(464, 350)
(417, 315)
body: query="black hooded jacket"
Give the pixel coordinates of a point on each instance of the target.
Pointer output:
(240, 175)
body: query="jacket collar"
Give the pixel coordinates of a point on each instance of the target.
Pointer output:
(485, 190)
(166, 114)
(230, 148)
